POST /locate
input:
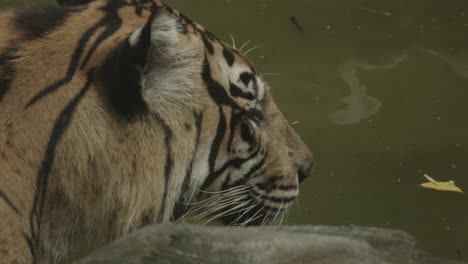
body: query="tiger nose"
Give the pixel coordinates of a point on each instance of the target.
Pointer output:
(305, 169)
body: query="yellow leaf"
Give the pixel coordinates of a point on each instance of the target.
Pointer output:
(440, 186)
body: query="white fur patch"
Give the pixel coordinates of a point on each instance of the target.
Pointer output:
(135, 37)
(171, 74)
(261, 89)
(164, 30)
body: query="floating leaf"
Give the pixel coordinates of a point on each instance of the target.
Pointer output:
(440, 186)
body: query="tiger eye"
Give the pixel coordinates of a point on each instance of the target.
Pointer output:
(247, 133)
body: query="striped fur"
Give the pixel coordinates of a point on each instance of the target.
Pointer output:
(115, 114)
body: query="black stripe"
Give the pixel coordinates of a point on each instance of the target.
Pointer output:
(121, 75)
(215, 149)
(73, 2)
(215, 89)
(255, 115)
(186, 19)
(60, 126)
(139, 53)
(180, 208)
(36, 22)
(269, 188)
(138, 8)
(168, 167)
(274, 199)
(220, 131)
(236, 91)
(112, 17)
(270, 184)
(121, 84)
(7, 71)
(237, 163)
(226, 181)
(235, 119)
(72, 67)
(256, 167)
(247, 77)
(287, 187)
(198, 126)
(229, 57)
(249, 174)
(114, 23)
(8, 201)
(247, 134)
(208, 45)
(30, 243)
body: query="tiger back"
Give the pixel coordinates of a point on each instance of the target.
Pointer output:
(116, 114)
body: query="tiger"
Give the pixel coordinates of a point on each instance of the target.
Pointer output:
(118, 114)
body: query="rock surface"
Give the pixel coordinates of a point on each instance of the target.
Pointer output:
(188, 244)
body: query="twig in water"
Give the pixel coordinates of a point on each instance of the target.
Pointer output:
(296, 24)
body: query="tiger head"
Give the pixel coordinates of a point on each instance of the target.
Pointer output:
(244, 162)
(249, 161)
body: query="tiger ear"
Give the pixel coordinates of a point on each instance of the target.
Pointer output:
(73, 2)
(154, 68)
(139, 43)
(158, 38)
(169, 57)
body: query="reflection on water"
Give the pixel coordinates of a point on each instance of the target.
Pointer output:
(458, 62)
(358, 104)
(376, 122)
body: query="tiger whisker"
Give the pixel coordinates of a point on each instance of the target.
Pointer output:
(270, 74)
(206, 204)
(198, 217)
(219, 211)
(243, 46)
(215, 200)
(297, 203)
(233, 210)
(278, 212)
(217, 203)
(226, 196)
(218, 195)
(253, 217)
(282, 218)
(264, 221)
(233, 41)
(252, 49)
(225, 191)
(219, 207)
(189, 201)
(245, 212)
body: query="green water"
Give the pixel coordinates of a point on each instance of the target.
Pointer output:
(380, 90)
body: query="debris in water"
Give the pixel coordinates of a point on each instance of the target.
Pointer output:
(295, 123)
(440, 186)
(296, 24)
(375, 11)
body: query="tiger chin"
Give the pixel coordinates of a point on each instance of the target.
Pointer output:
(116, 114)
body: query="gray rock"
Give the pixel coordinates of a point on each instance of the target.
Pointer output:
(189, 244)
